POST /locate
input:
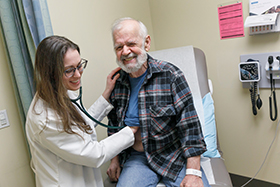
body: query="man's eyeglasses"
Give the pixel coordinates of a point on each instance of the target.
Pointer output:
(71, 71)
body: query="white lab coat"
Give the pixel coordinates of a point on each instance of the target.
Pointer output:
(60, 159)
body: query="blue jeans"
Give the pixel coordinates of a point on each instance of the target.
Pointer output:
(137, 173)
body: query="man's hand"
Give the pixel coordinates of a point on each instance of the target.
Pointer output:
(191, 181)
(114, 169)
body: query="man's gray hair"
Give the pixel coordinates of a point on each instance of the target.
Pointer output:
(117, 25)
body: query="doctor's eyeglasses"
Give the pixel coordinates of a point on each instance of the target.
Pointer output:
(71, 71)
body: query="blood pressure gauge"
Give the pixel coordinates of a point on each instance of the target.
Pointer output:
(249, 71)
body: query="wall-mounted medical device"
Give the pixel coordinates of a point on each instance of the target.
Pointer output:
(271, 70)
(263, 16)
(249, 71)
(262, 58)
(274, 67)
(261, 71)
(262, 24)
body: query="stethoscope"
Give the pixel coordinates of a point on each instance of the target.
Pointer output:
(82, 108)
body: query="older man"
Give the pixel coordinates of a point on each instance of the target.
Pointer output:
(154, 95)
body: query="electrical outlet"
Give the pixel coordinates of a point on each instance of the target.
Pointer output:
(4, 122)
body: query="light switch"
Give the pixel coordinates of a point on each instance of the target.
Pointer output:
(4, 122)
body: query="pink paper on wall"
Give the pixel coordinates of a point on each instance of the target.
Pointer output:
(231, 21)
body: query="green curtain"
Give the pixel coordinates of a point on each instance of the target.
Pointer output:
(38, 19)
(21, 46)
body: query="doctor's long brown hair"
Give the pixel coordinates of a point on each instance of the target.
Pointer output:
(49, 71)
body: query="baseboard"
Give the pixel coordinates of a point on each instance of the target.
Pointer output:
(238, 181)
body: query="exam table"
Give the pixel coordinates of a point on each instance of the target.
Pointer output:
(192, 62)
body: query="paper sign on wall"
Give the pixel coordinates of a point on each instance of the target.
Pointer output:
(231, 21)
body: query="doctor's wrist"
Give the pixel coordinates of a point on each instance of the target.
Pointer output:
(106, 95)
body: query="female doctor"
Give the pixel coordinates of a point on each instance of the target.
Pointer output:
(63, 143)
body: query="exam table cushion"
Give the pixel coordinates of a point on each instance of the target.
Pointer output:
(210, 133)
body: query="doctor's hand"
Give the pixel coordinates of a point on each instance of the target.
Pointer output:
(114, 169)
(134, 128)
(110, 84)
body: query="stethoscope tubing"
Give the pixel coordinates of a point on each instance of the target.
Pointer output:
(82, 108)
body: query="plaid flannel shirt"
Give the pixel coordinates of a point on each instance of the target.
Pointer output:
(170, 128)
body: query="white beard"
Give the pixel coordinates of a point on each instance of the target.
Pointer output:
(131, 68)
